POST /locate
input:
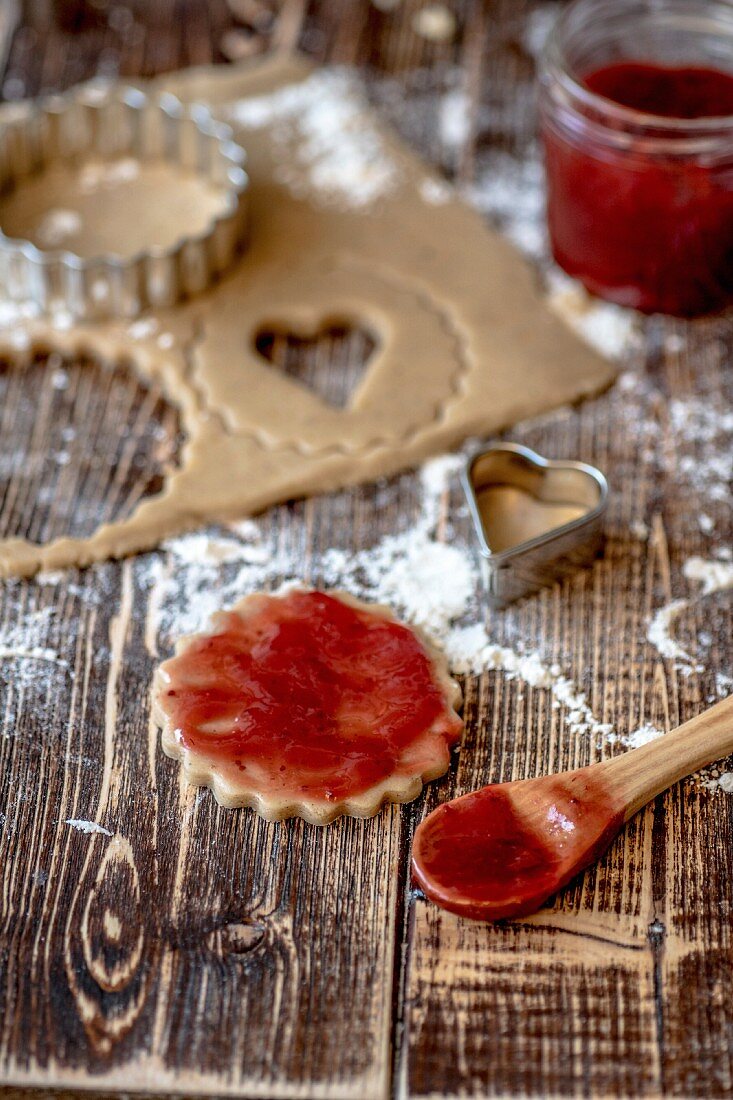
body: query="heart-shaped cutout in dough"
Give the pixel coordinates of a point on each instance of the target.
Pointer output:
(330, 359)
(393, 400)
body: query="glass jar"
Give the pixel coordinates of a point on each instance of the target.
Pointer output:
(640, 205)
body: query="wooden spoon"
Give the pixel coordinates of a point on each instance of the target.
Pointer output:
(503, 850)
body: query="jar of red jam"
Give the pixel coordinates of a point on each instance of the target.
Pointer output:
(636, 109)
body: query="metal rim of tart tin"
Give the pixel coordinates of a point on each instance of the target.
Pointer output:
(109, 125)
(526, 566)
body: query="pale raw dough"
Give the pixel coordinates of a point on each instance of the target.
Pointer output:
(466, 344)
(119, 212)
(427, 757)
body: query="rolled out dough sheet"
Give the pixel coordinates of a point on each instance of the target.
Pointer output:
(347, 224)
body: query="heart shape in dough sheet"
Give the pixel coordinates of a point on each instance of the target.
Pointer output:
(396, 396)
(330, 359)
(467, 342)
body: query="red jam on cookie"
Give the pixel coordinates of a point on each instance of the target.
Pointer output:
(308, 704)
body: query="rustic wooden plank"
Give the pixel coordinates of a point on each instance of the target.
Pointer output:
(190, 926)
(194, 948)
(616, 988)
(10, 15)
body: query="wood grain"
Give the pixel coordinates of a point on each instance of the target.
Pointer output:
(202, 951)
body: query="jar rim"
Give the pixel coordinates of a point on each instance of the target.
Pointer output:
(554, 61)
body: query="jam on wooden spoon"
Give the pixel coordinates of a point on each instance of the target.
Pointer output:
(503, 850)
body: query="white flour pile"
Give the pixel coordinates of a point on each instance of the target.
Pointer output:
(711, 575)
(328, 148)
(700, 427)
(56, 226)
(428, 581)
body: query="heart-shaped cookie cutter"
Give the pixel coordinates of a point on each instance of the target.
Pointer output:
(110, 124)
(520, 568)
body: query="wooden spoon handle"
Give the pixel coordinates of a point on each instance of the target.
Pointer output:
(642, 774)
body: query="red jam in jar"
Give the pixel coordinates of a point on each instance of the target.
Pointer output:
(639, 155)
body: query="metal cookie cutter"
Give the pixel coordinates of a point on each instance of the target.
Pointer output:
(536, 520)
(111, 127)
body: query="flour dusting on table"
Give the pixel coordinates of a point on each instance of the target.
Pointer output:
(84, 826)
(711, 575)
(703, 439)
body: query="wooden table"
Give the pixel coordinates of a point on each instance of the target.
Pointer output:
(206, 951)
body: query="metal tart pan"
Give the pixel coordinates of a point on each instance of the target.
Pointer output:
(108, 125)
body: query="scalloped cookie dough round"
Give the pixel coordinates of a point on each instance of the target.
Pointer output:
(308, 704)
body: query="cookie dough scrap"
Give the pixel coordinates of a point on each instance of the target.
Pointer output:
(308, 704)
(348, 225)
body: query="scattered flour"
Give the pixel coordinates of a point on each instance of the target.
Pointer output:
(642, 736)
(435, 22)
(431, 583)
(57, 226)
(31, 653)
(50, 577)
(661, 637)
(539, 24)
(100, 174)
(143, 329)
(724, 781)
(26, 639)
(723, 684)
(202, 549)
(327, 146)
(701, 446)
(14, 313)
(435, 192)
(510, 191)
(607, 327)
(713, 575)
(454, 119)
(84, 826)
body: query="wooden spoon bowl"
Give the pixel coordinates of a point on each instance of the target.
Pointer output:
(503, 850)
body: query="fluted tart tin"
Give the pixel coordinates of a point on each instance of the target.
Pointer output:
(107, 126)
